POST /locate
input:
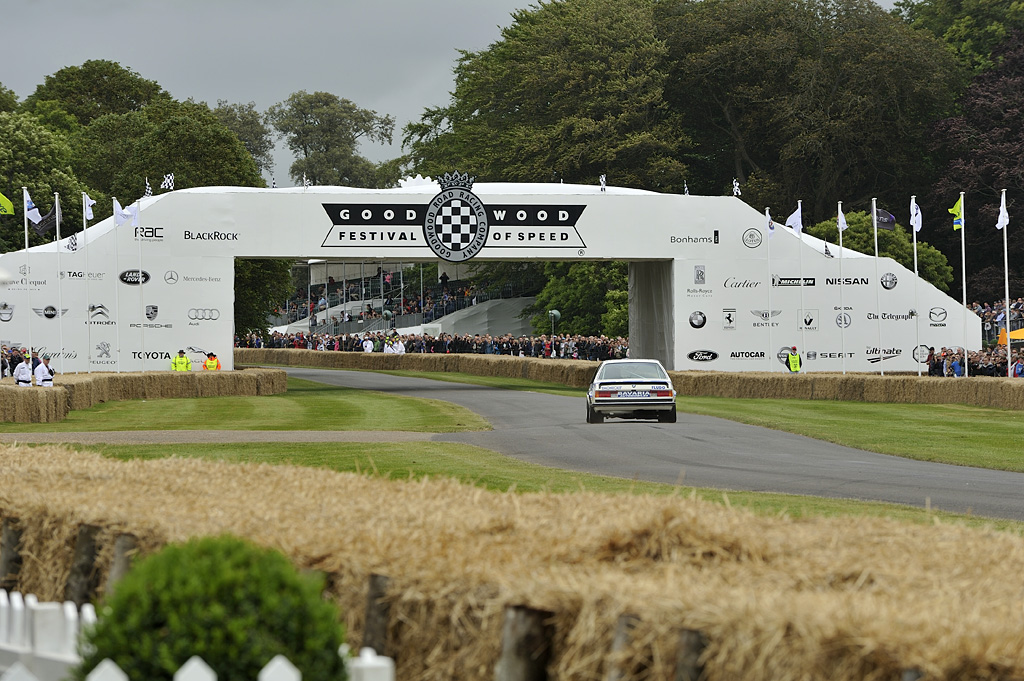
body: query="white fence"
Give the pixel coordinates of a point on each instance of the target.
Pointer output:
(38, 642)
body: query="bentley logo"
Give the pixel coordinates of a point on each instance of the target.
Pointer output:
(766, 314)
(455, 225)
(151, 312)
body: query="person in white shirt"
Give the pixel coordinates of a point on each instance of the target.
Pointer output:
(23, 373)
(399, 346)
(367, 344)
(44, 374)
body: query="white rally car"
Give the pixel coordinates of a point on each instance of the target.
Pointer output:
(631, 389)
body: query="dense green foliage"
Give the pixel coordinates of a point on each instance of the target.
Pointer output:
(233, 604)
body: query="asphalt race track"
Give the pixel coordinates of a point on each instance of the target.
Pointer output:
(698, 451)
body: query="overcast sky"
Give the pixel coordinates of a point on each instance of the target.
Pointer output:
(392, 56)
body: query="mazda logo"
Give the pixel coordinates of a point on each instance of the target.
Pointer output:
(937, 314)
(171, 277)
(208, 314)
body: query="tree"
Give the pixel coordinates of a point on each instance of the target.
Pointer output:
(246, 122)
(35, 157)
(8, 100)
(932, 265)
(820, 100)
(96, 88)
(260, 286)
(324, 132)
(587, 296)
(573, 90)
(983, 146)
(972, 29)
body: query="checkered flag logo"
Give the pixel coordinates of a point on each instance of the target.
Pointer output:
(72, 243)
(455, 226)
(168, 182)
(149, 190)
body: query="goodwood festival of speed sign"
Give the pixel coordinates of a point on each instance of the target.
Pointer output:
(455, 226)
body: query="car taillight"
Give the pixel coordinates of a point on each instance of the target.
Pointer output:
(662, 393)
(603, 393)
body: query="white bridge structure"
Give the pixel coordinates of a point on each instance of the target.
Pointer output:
(708, 287)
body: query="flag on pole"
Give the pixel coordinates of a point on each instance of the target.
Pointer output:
(1004, 215)
(686, 188)
(841, 222)
(604, 181)
(31, 212)
(736, 187)
(168, 182)
(123, 215)
(6, 207)
(795, 220)
(771, 223)
(47, 222)
(828, 253)
(916, 219)
(149, 190)
(885, 219)
(958, 213)
(89, 203)
(273, 183)
(305, 181)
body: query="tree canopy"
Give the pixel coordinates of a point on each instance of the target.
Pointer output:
(973, 29)
(249, 124)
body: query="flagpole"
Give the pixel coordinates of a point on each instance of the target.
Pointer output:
(28, 271)
(771, 351)
(88, 319)
(1006, 288)
(60, 286)
(142, 294)
(878, 301)
(117, 294)
(842, 304)
(963, 274)
(800, 255)
(917, 317)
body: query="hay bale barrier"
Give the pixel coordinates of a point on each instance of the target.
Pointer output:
(81, 391)
(978, 391)
(776, 598)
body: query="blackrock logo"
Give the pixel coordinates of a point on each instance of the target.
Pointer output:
(747, 354)
(99, 315)
(134, 277)
(6, 312)
(210, 236)
(698, 319)
(888, 281)
(876, 355)
(702, 356)
(937, 317)
(455, 224)
(49, 312)
(766, 317)
(752, 238)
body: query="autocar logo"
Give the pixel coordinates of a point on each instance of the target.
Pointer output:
(937, 314)
(703, 356)
(889, 281)
(207, 314)
(6, 312)
(49, 312)
(698, 319)
(843, 320)
(134, 277)
(171, 277)
(752, 238)
(152, 311)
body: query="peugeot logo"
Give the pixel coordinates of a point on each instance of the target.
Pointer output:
(208, 314)
(171, 277)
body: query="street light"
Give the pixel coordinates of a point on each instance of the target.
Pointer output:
(554, 316)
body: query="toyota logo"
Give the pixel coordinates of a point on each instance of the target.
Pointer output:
(207, 314)
(171, 277)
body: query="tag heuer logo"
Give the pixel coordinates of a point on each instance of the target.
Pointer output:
(455, 226)
(151, 312)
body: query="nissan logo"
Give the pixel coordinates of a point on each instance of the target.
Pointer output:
(171, 277)
(208, 314)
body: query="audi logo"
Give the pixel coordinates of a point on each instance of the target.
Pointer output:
(208, 314)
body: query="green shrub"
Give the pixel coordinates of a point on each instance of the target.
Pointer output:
(231, 603)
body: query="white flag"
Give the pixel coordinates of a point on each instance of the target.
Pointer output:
(771, 224)
(736, 187)
(916, 219)
(1004, 216)
(168, 182)
(841, 222)
(89, 203)
(149, 190)
(123, 215)
(31, 211)
(796, 220)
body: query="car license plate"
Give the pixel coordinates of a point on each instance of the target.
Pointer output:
(634, 393)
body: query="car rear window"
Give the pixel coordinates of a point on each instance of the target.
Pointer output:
(632, 370)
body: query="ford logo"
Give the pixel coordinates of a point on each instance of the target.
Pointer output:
(131, 277)
(703, 356)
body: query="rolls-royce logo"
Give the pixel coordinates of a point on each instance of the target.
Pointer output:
(455, 226)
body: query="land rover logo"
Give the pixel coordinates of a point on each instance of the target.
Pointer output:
(889, 281)
(703, 356)
(132, 278)
(455, 225)
(698, 319)
(752, 238)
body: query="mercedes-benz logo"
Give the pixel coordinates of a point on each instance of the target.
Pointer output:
(171, 277)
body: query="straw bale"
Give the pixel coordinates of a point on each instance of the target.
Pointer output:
(32, 405)
(778, 598)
